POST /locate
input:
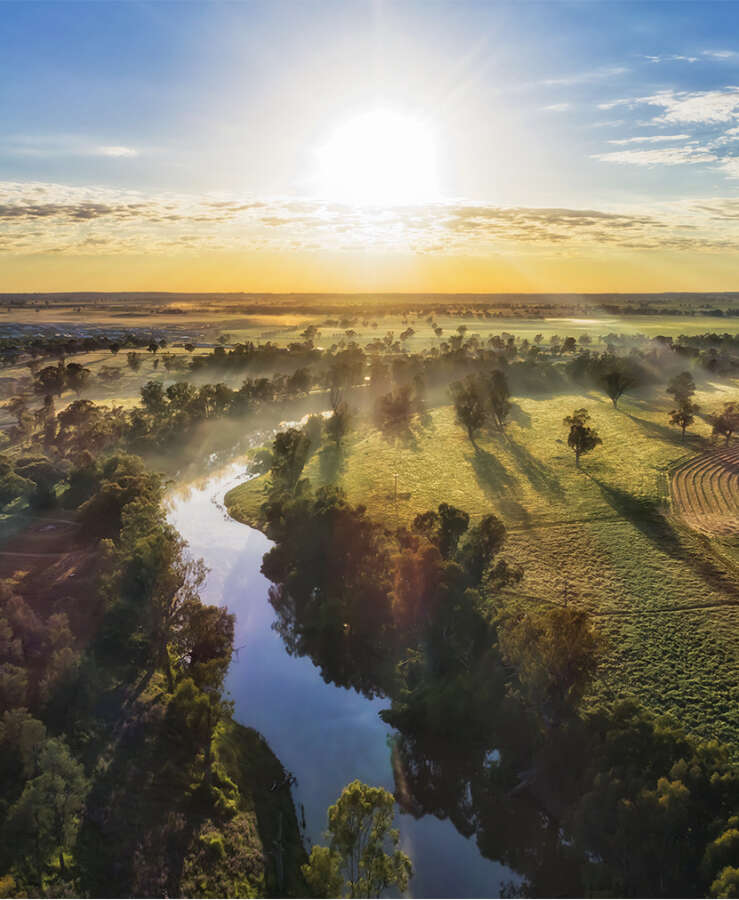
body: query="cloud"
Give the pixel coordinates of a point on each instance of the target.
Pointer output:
(706, 107)
(720, 54)
(673, 57)
(651, 139)
(557, 107)
(585, 77)
(55, 218)
(700, 107)
(56, 145)
(730, 166)
(664, 156)
(115, 150)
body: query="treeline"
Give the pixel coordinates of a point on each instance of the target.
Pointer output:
(113, 712)
(60, 346)
(497, 725)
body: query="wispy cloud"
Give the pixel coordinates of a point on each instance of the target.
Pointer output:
(672, 57)
(115, 150)
(730, 166)
(557, 107)
(53, 218)
(61, 145)
(720, 54)
(650, 139)
(704, 107)
(586, 76)
(659, 156)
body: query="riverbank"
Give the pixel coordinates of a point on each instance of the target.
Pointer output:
(325, 735)
(663, 595)
(268, 835)
(244, 502)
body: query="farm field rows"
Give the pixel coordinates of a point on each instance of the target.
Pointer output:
(705, 491)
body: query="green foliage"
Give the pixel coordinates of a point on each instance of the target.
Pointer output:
(726, 421)
(323, 872)
(555, 652)
(290, 451)
(726, 883)
(681, 388)
(363, 858)
(683, 416)
(582, 437)
(469, 405)
(331, 569)
(617, 375)
(45, 818)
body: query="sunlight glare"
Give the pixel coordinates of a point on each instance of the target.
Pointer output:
(381, 157)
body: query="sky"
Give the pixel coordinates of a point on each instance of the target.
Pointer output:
(369, 146)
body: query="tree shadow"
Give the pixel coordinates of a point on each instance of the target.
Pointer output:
(404, 438)
(646, 515)
(497, 482)
(139, 817)
(491, 474)
(331, 462)
(539, 476)
(670, 434)
(519, 416)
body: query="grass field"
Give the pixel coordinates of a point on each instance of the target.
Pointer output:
(667, 597)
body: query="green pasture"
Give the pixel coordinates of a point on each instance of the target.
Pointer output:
(666, 597)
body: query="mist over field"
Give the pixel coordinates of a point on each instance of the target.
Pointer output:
(369, 449)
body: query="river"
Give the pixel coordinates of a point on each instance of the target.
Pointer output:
(325, 735)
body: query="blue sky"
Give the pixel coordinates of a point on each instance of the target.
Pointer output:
(602, 106)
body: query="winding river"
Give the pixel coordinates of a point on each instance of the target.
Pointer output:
(325, 735)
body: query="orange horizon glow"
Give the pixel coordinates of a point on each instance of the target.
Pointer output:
(316, 273)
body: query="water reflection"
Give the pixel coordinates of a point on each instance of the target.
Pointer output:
(325, 735)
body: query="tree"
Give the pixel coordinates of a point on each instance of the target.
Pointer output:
(497, 396)
(555, 652)
(180, 395)
(51, 380)
(159, 577)
(616, 381)
(582, 438)
(683, 416)
(133, 360)
(363, 858)
(313, 430)
(468, 405)
(339, 424)
(290, 451)
(681, 388)
(483, 541)
(153, 398)
(394, 412)
(45, 818)
(726, 422)
(77, 377)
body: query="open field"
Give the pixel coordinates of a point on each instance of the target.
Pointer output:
(666, 596)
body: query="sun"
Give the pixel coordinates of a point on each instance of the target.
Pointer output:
(380, 157)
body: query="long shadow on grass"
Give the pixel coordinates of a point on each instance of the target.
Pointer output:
(646, 515)
(330, 463)
(519, 416)
(666, 433)
(497, 482)
(540, 477)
